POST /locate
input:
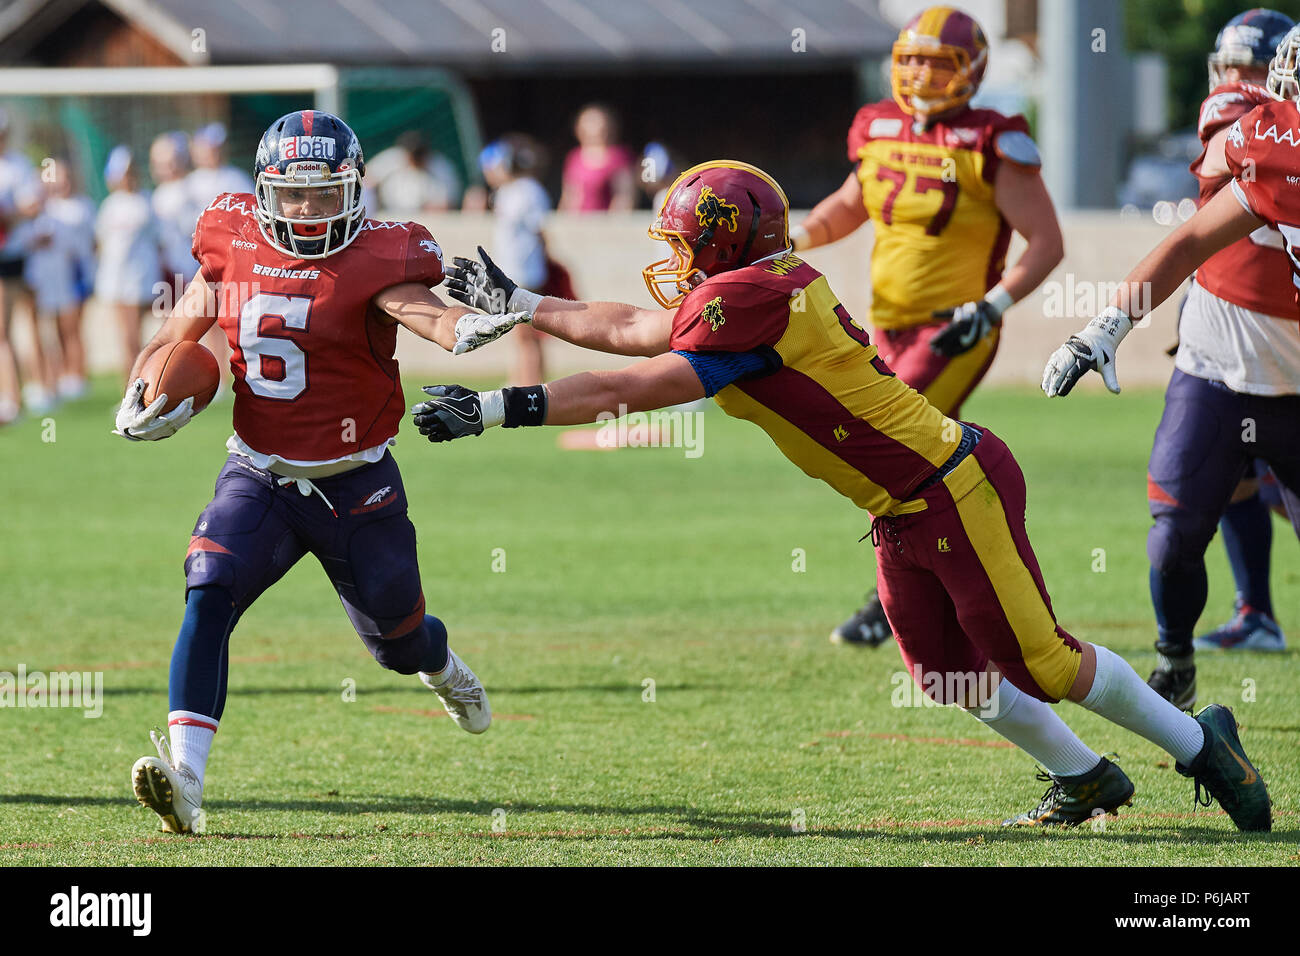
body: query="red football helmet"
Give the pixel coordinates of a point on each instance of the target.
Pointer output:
(939, 60)
(718, 216)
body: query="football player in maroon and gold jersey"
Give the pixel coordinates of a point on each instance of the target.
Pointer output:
(745, 320)
(944, 185)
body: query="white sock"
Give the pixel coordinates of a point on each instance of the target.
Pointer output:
(438, 678)
(1038, 730)
(190, 736)
(1121, 696)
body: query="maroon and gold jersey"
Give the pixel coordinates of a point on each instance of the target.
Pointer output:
(939, 237)
(833, 407)
(1249, 272)
(1263, 154)
(315, 376)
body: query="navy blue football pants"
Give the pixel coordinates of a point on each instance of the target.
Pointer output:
(1207, 440)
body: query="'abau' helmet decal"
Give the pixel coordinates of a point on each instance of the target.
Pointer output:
(315, 160)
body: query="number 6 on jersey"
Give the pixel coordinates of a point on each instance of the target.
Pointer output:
(274, 366)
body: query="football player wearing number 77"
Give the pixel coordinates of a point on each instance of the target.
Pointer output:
(746, 321)
(1243, 401)
(310, 294)
(943, 184)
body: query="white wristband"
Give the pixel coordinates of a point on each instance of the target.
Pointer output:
(1113, 323)
(798, 237)
(521, 300)
(999, 298)
(494, 407)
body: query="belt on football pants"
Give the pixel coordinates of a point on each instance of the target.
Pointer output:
(970, 437)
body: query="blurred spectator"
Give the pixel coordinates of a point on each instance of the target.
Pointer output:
(34, 239)
(598, 171)
(211, 175)
(74, 215)
(130, 251)
(511, 167)
(409, 177)
(657, 172)
(174, 204)
(15, 174)
(177, 207)
(55, 242)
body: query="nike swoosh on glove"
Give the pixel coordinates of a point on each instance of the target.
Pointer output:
(453, 411)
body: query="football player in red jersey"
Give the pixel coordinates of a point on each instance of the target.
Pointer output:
(1235, 394)
(1237, 328)
(310, 294)
(750, 323)
(943, 185)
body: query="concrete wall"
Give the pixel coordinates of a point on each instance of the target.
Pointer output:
(606, 254)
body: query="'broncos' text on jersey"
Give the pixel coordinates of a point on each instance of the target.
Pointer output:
(315, 377)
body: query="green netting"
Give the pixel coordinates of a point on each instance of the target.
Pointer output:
(380, 104)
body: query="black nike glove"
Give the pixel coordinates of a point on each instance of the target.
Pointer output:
(453, 411)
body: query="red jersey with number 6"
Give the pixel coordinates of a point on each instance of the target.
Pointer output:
(1263, 154)
(315, 376)
(1249, 272)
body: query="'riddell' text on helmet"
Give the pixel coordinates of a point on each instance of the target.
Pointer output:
(718, 216)
(307, 176)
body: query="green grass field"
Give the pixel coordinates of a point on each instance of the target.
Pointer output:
(620, 567)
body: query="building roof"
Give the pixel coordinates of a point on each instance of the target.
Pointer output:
(481, 35)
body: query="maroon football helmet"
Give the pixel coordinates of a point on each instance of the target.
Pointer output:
(938, 62)
(718, 216)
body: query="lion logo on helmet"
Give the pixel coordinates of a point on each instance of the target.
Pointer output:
(712, 210)
(712, 313)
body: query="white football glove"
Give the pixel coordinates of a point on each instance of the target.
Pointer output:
(135, 422)
(1093, 349)
(475, 331)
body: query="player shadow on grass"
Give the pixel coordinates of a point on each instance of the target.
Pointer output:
(690, 823)
(419, 690)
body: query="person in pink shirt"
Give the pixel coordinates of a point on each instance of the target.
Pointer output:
(598, 171)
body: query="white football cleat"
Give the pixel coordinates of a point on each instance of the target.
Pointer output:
(462, 695)
(174, 793)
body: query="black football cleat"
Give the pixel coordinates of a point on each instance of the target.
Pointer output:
(1176, 686)
(1070, 801)
(868, 627)
(1227, 774)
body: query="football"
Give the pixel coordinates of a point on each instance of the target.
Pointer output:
(181, 370)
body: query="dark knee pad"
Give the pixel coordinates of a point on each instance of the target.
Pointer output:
(380, 585)
(423, 649)
(1177, 541)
